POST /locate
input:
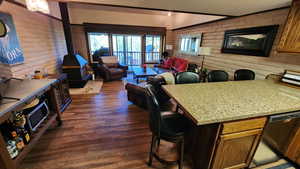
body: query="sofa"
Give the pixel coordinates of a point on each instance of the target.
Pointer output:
(136, 93)
(175, 64)
(110, 69)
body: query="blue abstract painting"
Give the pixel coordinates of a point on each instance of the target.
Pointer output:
(10, 50)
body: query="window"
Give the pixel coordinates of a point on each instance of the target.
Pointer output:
(153, 48)
(190, 44)
(99, 45)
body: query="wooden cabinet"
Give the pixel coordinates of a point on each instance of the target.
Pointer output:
(229, 145)
(290, 38)
(62, 93)
(237, 143)
(236, 150)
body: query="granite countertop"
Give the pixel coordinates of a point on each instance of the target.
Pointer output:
(208, 103)
(24, 90)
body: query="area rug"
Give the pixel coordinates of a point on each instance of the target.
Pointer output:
(280, 164)
(92, 87)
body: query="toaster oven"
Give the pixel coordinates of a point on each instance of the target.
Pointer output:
(36, 116)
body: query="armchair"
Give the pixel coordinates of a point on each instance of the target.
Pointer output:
(110, 69)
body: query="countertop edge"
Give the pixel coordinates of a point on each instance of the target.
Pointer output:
(20, 102)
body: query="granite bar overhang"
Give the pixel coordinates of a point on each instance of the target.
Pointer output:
(25, 90)
(209, 103)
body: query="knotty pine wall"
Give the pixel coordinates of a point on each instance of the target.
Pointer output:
(213, 35)
(41, 39)
(170, 41)
(79, 40)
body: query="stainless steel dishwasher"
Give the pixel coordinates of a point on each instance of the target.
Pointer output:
(282, 134)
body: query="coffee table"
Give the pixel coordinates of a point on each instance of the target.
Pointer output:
(139, 72)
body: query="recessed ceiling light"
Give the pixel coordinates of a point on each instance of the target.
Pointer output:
(38, 5)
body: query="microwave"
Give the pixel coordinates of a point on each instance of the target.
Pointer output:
(36, 116)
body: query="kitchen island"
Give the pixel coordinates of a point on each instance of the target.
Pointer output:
(229, 118)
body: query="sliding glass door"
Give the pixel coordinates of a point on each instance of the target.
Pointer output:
(153, 48)
(128, 48)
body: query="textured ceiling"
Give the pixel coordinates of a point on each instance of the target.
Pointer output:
(219, 7)
(82, 13)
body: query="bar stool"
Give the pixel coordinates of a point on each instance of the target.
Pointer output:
(244, 74)
(170, 128)
(217, 76)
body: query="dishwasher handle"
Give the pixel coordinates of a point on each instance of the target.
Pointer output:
(285, 116)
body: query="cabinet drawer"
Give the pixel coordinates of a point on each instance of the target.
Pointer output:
(243, 125)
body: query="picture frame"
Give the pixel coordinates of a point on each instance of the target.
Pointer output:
(255, 41)
(11, 52)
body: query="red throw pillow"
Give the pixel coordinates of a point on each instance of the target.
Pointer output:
(168, 63)
(180, 65)
(179, 62)
(182, 68)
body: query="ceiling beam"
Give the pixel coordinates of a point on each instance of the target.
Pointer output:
(67, 27)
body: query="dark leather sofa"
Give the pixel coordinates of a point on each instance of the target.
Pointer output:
(136, 93)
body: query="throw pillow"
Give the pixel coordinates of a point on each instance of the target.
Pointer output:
(169, 77)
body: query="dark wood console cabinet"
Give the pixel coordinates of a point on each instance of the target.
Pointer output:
(27, 91)
(62, 93)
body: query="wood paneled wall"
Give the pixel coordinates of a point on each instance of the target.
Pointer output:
(169, 38)
(170, 41)
(213, 35)
(5, 71)
(41, 38)
(79, 40)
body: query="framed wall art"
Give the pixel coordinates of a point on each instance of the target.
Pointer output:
(256, 41)
(10, 50)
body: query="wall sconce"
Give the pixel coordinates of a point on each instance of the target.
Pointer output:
(38, 5)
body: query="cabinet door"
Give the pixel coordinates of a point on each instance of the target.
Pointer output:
(236, 150)
(58, 97)
(289, 41)
(65, 91)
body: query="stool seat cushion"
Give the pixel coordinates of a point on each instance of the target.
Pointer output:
(173, 126)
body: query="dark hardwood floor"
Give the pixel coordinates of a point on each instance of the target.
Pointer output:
(99, 131)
